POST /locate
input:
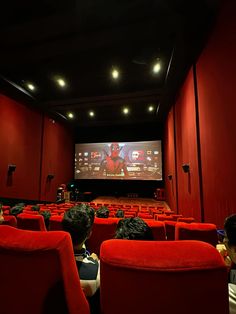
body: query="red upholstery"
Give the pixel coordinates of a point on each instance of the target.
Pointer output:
(9, 220)
(158, 229)
(186, 219)
(163, 217)
(145, 216)
(103, 229)
(196, 231)
(163, 277)
(170, 229)
(31, 222)
(37, 265)
(55, 223)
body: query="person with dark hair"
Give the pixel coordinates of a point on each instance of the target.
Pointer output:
(78, 221)
(46, 216)
(133, 229)
(120, 213)
(17, 209)
(102, 212)
(230, 245)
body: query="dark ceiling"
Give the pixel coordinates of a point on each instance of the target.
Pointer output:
(82, 40)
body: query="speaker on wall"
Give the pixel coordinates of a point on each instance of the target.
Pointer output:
(50, 176)
(186, 168)
(11, 168)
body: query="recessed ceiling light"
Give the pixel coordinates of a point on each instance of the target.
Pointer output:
(31, 86)
(61, 82)
(115, 74)
(156, 67)
(91, 113)
(70, 115)
(125, 110)
(150, 108)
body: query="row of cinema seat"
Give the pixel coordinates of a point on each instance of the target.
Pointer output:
(39, 276)
(104, 229)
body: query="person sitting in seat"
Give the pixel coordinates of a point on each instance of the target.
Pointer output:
(120, 213)
(78, 221)
(133, 229)
(102, 212)
(230, 244)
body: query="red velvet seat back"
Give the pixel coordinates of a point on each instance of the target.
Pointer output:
(55, 223)
(162, 277)
(9, 220)
(40, 274)
(31, 222)
(170, 229)
(196, 231)
(103, 229)
(158, 229)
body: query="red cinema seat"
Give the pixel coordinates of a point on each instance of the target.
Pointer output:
(196, 231)
(170, 229)
(186, 219)
(145, 215)
(31, 222)
(41, 268)
(137, 277)
(9, 220)
(158, 229)
(55, 223)
(163, 217)
(103, 229)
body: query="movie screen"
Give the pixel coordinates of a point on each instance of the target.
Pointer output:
(119, 160)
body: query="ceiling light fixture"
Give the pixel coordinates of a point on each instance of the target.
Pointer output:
(70, 115)
(115, 74)
(61, 82)
(157, 66)
(91, 113)
(31, 86)
(150, 108)
(125, 110)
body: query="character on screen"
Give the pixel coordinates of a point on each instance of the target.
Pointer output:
(113, 164)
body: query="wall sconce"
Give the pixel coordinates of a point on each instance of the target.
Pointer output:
(11, 169)
(170, 176)
(50, 176)
(186, 168)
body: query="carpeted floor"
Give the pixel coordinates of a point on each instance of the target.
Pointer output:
(128, 201)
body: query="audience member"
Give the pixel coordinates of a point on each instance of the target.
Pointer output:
(133, 229)
(78, 221)
(120, 213)
(102, 212)
(1, 214)
(17, 209)
(46, 215)
(230, 244)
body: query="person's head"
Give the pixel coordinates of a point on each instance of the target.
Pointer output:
(78, 221)
(115, 149)
(120, 213)
(230, 236)
(102, 212)
(133, 229)
(46, 216)
(17, 209)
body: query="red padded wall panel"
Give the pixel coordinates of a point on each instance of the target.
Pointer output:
(169, 149)
(58, 158)
(216, 78)
(20, 145)
(186, 151)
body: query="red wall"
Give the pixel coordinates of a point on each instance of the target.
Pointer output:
(58, 157)
(216, 76)
(186, 151)
(21, 144)
(169, 144)
(216, 81)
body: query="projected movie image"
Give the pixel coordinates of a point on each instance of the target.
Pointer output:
(119, 160)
